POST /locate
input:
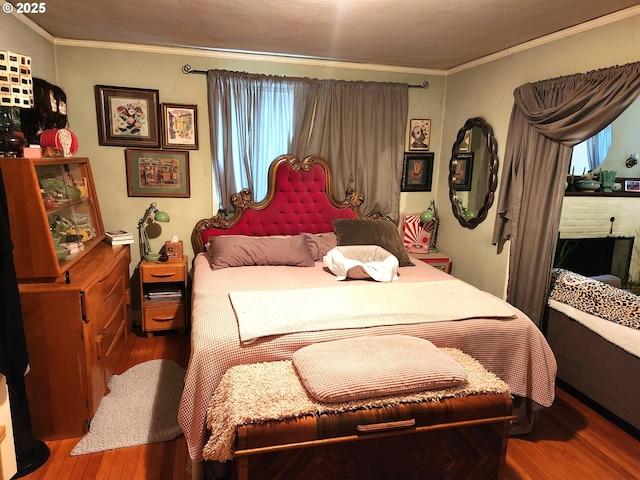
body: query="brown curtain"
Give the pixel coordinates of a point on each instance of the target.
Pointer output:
(359, 127)
(548, 118)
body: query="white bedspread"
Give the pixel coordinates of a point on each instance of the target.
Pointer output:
(360, 304)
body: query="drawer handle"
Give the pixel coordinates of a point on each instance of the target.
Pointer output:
(99, 347)
(163, 275)
(163, 319)
(385, 426)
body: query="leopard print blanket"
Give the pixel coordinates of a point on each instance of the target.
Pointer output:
(596, 298)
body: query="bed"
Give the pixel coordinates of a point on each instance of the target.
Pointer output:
(299, 204)
(597, 356)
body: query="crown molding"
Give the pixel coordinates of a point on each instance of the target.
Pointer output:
(567, 32)
(243, 56)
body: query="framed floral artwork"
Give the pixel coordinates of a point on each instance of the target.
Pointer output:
(179, 126)
(157, 173)
(127, 116)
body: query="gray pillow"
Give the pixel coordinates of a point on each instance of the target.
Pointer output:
(240, 250)
(362, 231)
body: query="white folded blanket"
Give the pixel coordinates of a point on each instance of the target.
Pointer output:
(359, 305)
(362, 262)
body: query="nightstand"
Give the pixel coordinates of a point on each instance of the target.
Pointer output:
(163, 289)
(439, 260)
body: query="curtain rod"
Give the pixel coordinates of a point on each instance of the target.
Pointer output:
(186, 69)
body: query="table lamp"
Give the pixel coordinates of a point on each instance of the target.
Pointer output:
(151, 214)
(430, 220)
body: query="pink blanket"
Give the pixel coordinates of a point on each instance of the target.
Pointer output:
(515, 350)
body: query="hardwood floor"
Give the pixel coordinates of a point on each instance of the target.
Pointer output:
(161, 461)
(570, 440)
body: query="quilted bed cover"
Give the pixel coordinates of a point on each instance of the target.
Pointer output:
(514, 349)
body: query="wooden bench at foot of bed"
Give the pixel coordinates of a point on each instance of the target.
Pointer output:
(454, 438)
(264, 420)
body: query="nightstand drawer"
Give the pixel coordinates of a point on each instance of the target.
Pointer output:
(164, 317)
(163, 272)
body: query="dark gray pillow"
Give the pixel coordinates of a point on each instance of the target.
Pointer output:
(383, 233)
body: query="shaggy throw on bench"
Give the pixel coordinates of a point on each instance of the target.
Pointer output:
(261, 392)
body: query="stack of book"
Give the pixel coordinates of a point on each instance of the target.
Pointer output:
(118, 237)
(163, 292)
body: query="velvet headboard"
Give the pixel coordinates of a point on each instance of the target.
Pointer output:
(298, 200)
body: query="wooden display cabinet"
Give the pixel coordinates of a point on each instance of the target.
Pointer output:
(76, 308)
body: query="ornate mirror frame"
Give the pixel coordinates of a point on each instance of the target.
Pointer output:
(472, 221)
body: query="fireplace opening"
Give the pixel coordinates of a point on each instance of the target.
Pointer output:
(595, 256)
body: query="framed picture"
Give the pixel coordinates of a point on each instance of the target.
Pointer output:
(179, 126)
(632, 185)
(461, 170)
(465, 146)
(157, 173)
(417, 171)
(127, 117)
(419, 134)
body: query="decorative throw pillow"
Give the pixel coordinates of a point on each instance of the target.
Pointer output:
(368, 367)
(383, 233)
(240, 250)
(320, 243)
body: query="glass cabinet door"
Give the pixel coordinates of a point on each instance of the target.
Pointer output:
(53, 214)
(68, 202)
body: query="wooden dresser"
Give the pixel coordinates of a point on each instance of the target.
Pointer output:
(75, 300)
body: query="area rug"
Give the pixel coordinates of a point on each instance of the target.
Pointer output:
(141, 408)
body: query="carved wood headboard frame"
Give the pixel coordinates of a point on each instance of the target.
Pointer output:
(298, 200)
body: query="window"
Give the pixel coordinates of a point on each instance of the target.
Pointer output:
(262, 128)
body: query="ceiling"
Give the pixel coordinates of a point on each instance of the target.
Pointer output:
(423, 34)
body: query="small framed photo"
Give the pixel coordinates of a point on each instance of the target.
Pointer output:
(157, 173)
(460, 170)
(179, 126)
(417, 172)
(419, 134)
(465, 146)
(632, 185)
(127, 117)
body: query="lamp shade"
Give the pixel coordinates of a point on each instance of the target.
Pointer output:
(161, 217)
(426, 216)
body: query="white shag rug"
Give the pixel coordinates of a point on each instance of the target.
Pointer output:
(141, 408)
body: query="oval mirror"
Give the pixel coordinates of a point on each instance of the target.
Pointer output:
(473, 172)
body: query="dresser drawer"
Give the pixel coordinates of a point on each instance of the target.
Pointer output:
(163, 272)
(168, 316)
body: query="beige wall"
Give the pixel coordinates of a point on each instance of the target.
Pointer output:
(81, 68)
(485, 90)
(16, 36)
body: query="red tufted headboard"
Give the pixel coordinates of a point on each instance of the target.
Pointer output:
(298, 200)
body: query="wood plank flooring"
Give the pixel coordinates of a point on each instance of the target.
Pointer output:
(161, 461)
(570, 440)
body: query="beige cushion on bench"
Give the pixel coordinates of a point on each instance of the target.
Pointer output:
(366, 367)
